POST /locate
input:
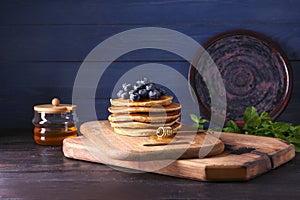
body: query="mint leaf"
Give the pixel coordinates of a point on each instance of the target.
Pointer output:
(296, 131)
(202, 120)
(297, 148)
(281, 126)
(294, 141)
(194, 118)
(231, 126)
(261, 125)
(252, 124)
(250, 114)
(198, 121)
(280, 135)
(200, 127)
(195, 125)
(264, 116)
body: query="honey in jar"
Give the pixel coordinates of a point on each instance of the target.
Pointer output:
(54, 122)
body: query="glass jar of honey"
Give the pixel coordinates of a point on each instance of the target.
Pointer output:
(54, 122)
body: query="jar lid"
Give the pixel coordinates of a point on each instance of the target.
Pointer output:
(55, 107)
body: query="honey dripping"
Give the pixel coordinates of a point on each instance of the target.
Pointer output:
(164, 135)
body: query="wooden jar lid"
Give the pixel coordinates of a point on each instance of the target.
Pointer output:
(55, 107)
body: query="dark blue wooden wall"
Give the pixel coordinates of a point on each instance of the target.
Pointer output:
(43, 43)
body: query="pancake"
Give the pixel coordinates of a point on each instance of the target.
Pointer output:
(146, 118)
(140, 109)
(164, 100)
(141, 124)
(142, 132)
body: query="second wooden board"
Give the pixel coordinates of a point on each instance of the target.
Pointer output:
(245, 157)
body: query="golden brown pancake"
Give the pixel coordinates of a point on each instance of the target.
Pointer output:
(142, 117)
(139, 109)
(141, 124)
(164, 100)
(142, 132)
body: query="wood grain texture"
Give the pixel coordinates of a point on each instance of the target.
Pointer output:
(30, 171)
(246, 157)
(119, 147)
(73, 43)
(150, 12)
(18, 84)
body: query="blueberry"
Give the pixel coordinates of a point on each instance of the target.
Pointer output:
(127, 87)
(139, 83)
(150, 86)
(119, 93)
(154, 94)
(136, 86)
(146, 80)
(162, 92)
(143, 88)
(143, 93)
(124, 85)
(124, 95)
(135, 97)
(130, 92)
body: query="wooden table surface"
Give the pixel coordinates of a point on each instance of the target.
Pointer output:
(30, 171)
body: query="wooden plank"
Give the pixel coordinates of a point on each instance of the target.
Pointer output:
(73, 43)
(46, 77)
(230, 167)
(44, 86)
(25, 164)
(235, 164)
(148, 12)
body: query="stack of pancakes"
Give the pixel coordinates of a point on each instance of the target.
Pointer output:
(143, 117)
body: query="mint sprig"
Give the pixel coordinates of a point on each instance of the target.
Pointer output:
(262, 125)
(198, 121)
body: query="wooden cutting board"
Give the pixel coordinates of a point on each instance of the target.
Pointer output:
(244, 158)
(184, 145)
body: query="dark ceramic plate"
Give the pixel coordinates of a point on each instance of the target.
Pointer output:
(255, 73)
